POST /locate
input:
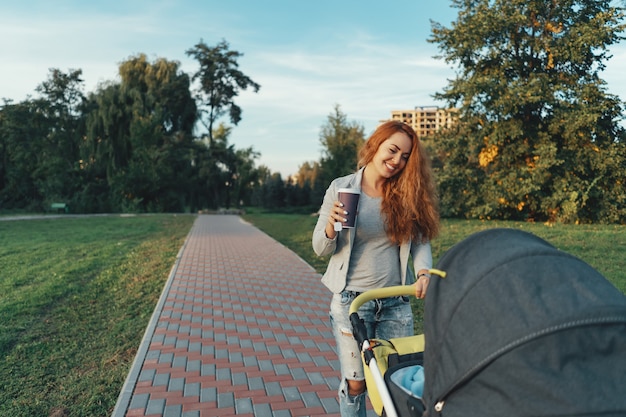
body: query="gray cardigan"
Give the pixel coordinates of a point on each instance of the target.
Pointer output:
(341, 246)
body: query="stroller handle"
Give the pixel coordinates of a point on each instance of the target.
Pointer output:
(386, 292)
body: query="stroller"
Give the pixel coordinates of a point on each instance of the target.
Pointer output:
(393, 368)
(516, 328)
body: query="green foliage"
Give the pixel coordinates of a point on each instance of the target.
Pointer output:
(220, 81)
(75, 298)
(271, 192)
(139, 139)
(39, 144)
(130, 145)
(21, 127)
(228, 174)
(341, 141)
(539, 136)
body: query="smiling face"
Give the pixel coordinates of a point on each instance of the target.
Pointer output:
(392, 155)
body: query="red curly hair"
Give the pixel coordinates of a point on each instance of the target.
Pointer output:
(410, 204)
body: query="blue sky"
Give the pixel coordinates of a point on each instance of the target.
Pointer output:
(368, 56)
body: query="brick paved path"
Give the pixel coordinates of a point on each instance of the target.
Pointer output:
(241, 329)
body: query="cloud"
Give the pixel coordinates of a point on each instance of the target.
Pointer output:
(299, 89)
(305, 64)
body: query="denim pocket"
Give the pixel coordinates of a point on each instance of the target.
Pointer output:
(348, 296)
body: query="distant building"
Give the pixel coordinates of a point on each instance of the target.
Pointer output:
(426, 120)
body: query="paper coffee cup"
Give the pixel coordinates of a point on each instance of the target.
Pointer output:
(349, 197)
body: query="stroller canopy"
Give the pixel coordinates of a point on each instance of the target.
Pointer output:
(520, 328)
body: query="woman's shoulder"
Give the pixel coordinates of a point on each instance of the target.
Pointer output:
(345, 181)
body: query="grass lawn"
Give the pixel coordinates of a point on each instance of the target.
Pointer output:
(76, 295)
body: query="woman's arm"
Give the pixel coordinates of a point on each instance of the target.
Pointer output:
(422, 262)
(325, 243)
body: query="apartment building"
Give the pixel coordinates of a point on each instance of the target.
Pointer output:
(426, 120)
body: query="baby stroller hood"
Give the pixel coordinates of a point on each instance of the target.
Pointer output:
(518, 327)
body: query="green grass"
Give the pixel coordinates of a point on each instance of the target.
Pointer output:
(76, 296)
(601, 246)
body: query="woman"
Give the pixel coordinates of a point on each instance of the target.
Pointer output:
(397, 217)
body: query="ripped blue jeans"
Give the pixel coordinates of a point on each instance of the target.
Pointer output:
(384, 319)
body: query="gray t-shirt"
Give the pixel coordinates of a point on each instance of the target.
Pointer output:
(375, 260)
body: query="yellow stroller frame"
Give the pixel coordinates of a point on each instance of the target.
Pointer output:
(375, 352)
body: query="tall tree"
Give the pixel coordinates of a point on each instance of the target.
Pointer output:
(61, 104)
(227, 173)
(220, 81)
(245, 177)
(139, 136)
(539, 135)
(341, 141)
(307, 181)
(22, 129)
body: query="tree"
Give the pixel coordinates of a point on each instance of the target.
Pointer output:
(139, 138)
(228, 173)
(39, 142)
(245, 177)
(220, 81)
(274, 191)
(341, 141)
(61, 104)
(310, 188)
(539, 135)
(22, 127)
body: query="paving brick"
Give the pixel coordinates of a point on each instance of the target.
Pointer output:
(147, 375)
(273, 388)
(331, 405)
(225, 400)
(291, 393)
(161, 379)
(179, 362)
(173, 411)
(192, 389)
(155, 406)
(235, 357)
(243, 406)
(298, 373)
(194, 365)
(153, 354)
(176, 384)
(311, 399)
(223, 374)
(281, 369)
(250, 361)
(139, 401)
(182, 343)
(166, 357)
(262, 410)
(208, 395)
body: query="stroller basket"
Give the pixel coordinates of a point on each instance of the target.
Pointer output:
(405, 382)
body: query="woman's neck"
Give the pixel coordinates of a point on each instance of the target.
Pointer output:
(371, 183)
